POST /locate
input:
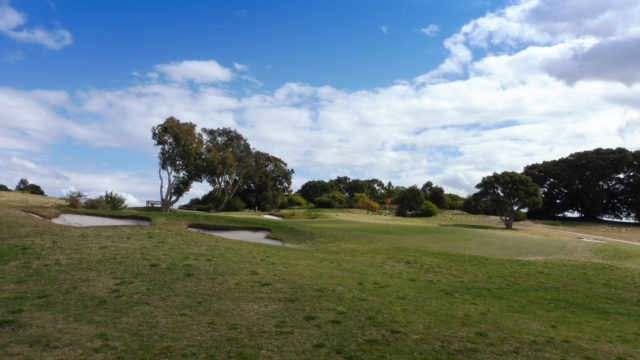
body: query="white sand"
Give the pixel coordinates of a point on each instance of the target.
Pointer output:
(592, 240)
(254, 236)
(84, 220)
(273, 217)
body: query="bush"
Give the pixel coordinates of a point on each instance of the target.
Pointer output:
(4, 188)
(339, 198)
(325, 201)
(35, 189)
(367, 204)
(114, 200)
(296, 200)
(96, 204)
(429, 209)
(235, 204)
(401, 210)
(520, 216)
(75, 198)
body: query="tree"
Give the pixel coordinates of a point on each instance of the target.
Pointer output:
(227, 163)
(631, 187)
(25, 186)
(590, 183)
(22, 185)
(426, 188)
(180, 154)
(4, 188)
(508, 192)
(409, 199)
(438, 197)
(268, 181)
(314, 189)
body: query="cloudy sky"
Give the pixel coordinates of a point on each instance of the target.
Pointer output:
(402, 90)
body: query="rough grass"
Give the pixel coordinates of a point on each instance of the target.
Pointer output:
(360, 288)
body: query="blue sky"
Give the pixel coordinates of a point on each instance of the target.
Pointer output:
(406, 91)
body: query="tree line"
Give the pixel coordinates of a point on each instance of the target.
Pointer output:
(25, 186)
(239, 175)
(593, 184)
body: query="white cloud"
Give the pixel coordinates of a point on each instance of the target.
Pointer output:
(384, 29)
(198, 71)
(240, 67)
(11, 24)
(515, 105)
(430, 30)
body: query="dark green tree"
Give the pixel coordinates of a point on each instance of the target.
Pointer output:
(313, 189)
(267, 183)
(509, 192)
(228, 160)
(438, 197)
(590, 183)
(180, 155)
(25, 186)
(409, 199)
(4, 188)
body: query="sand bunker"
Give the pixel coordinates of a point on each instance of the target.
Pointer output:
(254, 236)
(273, 217)
(592, 240)
(85, 220)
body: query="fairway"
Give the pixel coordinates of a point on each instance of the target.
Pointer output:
(357, 286)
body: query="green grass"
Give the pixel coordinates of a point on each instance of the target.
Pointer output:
(359, 287)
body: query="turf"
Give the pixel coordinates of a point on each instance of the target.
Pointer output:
(359, 287)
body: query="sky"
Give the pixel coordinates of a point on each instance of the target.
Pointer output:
(406, 91)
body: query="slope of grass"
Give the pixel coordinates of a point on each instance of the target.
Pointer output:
(357, 289)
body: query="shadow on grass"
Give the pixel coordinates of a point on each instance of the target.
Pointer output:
(471, 226)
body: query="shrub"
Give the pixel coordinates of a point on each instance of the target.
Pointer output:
(75, 198)
(325, 201)
(296, 200)
(367, 204)
(4, 188)
(429, 209)
(520, 216)
(235, 204)
(339, 198)
(114, 200)
(35, 189)
(401, 210)
(96, 204)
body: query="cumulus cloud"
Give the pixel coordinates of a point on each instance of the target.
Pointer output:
(198, 71)
(543, 89)
(12, 24)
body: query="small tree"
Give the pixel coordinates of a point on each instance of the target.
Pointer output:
(409, 199)
(75, 198)
(4, 188)
(114, 200)
(180, 150)
(22, 185)
(509, 192)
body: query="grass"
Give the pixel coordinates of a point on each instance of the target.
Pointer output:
(360, 287)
